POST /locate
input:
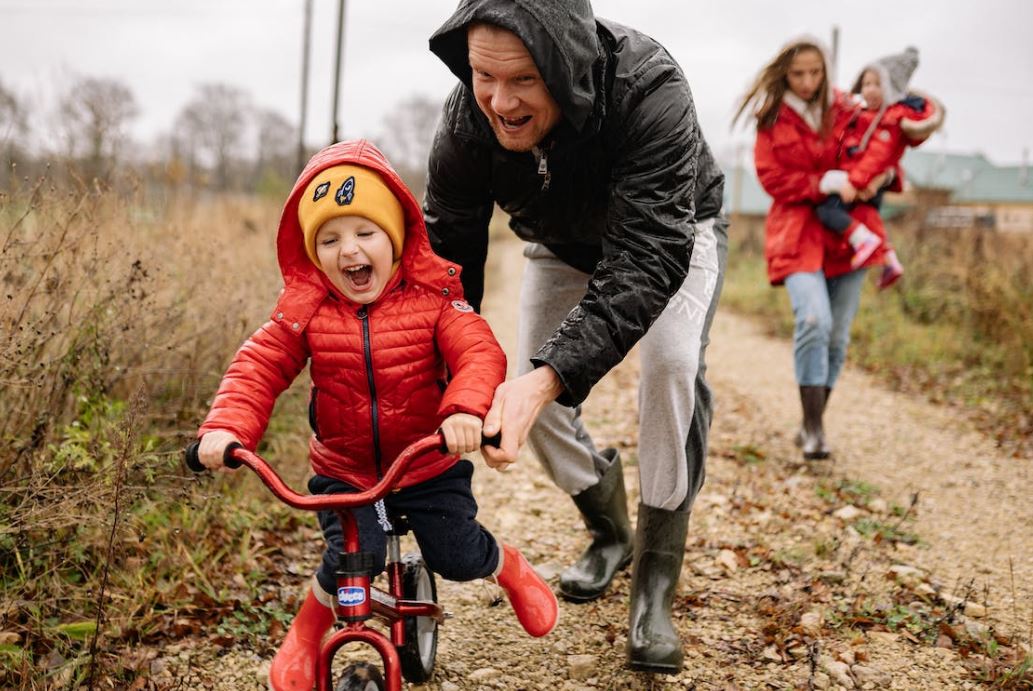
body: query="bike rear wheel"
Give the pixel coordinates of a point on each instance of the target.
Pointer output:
(421, 633)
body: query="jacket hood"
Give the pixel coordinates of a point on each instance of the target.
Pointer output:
(418, 262)
(560, 35)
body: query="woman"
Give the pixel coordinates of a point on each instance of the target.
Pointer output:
(800, 123)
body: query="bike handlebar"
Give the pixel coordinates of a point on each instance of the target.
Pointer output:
(236, 455)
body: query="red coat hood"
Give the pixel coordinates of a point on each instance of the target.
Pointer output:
(305, 285)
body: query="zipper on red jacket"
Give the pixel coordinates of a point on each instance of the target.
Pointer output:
(367, 351)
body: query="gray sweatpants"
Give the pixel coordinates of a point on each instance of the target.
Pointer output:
(674, 401)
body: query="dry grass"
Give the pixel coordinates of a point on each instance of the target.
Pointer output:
(108, 293)
(958, 328)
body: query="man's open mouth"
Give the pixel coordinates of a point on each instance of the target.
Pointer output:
(514, 123)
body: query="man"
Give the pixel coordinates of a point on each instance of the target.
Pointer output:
(584, 132)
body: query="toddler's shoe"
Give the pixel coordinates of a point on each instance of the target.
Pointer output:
(533, 601)
(294, 667)
(892, 270)
(864, 242)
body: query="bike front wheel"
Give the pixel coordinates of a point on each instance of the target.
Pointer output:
(421, 633)
(360, 676)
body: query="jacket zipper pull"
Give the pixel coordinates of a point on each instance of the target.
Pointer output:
(543, 167)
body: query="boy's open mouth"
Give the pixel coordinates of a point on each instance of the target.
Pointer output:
(359, 276)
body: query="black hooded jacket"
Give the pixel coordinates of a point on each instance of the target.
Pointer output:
(626, 176)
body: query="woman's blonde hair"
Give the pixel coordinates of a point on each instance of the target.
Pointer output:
(764, 97)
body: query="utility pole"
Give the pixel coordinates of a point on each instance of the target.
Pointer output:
(834, 67)
(306, 41)
(337, 68)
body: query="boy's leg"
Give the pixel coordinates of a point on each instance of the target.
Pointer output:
(372, 537)
(294, 666)
(442, 513)
(594, 479)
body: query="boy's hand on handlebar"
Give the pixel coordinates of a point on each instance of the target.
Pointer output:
(212, 447)
(462, 432)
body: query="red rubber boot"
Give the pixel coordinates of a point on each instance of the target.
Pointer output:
(294, 667)
(533, 601)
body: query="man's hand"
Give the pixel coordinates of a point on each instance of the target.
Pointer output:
(213, 445)
(462, 432)
(514, 410)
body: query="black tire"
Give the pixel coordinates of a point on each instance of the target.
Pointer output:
(421, 633)
(361, 676)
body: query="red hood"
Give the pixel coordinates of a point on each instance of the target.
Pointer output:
(419, 263)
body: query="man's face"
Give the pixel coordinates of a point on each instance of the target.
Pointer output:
(509, 89)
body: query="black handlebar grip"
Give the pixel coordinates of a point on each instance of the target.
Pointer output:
(194, 462)
(494, 440)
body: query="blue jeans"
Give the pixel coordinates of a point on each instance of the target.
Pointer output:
(823, 310)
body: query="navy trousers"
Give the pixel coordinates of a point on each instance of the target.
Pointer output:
(441, 513)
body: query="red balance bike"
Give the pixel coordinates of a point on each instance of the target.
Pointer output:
(409, 607)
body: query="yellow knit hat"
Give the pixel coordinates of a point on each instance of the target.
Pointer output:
(349, 190)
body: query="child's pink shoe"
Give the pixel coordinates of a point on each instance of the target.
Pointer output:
(892, 270)
(533, 601)
(864, 242)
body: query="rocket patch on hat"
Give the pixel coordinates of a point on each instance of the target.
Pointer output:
(346, 192)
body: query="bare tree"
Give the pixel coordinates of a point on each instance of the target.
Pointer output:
(213, 128)
(277, 137)
(13, 126)
(94, 115)
(408, 134)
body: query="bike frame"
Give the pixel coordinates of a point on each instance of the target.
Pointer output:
(357, 600)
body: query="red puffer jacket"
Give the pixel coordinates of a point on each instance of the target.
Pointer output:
(888, 140)
(790, 158)
(378, 371)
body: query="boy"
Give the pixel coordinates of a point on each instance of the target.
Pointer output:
(889, 120)
(380, 318)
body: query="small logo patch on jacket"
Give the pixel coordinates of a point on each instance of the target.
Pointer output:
(462, 306)
(884, 135)
(346, 192)
(321, 191)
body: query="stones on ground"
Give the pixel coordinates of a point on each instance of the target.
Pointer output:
(883, 637)
(581, 666)
(878, 505)
(877, 678)
(484, 675)
(810, 623)
(839, 672)
(847, 513)
(449, 686)
(728, 560)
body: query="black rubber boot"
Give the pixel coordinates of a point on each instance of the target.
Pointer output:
(604, 508)
(812, 399)
(798, 439)
(653, 643)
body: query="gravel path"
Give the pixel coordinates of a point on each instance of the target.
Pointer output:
(796, 576)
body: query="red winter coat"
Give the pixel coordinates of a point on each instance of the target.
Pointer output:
(790, 158)
(378, 371)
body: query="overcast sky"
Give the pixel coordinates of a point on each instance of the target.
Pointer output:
(976, 56)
